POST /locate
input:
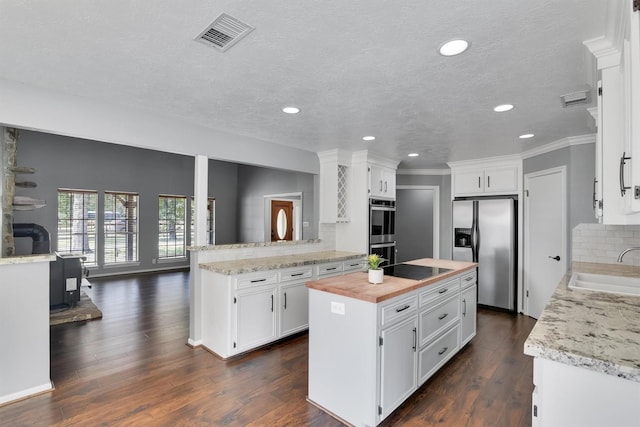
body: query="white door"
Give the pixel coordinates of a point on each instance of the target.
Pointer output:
(545, 236)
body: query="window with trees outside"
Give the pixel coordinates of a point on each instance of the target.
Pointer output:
(211, 221)
(172, 215)
(77, 223)
(120, 224)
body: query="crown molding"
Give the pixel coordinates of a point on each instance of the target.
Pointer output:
(430, 172)
(562, 143)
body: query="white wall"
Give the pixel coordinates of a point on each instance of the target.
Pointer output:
(24, 334)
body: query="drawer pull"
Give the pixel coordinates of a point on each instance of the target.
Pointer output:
(468, 279)
(354, 265)
(331, 268)
(441, 352)
(258, 280)
(442, 291)
(443, 316)
(296, 274)
(398, 310)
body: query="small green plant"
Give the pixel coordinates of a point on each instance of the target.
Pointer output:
(374, 261)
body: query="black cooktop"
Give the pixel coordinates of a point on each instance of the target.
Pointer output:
(411, 271)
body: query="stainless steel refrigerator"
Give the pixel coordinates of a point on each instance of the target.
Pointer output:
(484, 231)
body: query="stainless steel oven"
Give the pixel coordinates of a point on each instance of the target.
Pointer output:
(387, 251)
(382, 221)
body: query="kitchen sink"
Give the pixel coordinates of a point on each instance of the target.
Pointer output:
(605, 283)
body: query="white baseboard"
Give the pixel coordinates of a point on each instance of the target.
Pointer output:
(26, 393)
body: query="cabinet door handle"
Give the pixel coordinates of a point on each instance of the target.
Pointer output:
(398, 310)
(441, 352)
(385, 186)
(595, 201)
(415, 339)
(258, 280)
(464, 310)
(285, 300)
(488, 181)
(380, 185)
(623, 188)
(442, 291)
(443, 316)
(272, 303)
(479, 182)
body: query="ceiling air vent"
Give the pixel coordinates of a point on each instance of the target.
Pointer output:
(570, 99)
(224, 32)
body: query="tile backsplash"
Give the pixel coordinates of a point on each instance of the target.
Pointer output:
(603, 243)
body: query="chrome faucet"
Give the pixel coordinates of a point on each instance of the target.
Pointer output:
(625, 251)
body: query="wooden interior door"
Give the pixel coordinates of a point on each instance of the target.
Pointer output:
(281, 214)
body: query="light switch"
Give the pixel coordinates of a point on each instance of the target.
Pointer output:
(72, 283)
(337, 307)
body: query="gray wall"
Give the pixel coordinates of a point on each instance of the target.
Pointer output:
(65, 162)
(444, 182)
(580, 162)
(414, 224)
(255, 182)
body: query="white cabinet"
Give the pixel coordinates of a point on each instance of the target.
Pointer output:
(386, 350)
(255, 317)
(382, 182)
(468, 314)
(245, 311)
(294, 308)
(485, 180)
(398, 364)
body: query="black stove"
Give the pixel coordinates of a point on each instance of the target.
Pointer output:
(411, 271)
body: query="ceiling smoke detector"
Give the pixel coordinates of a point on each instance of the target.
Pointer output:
(581, 97)
(224, 32)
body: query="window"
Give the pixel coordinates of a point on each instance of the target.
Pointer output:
(120, 227)
(171, 222)
(211, 221)
(77, 223)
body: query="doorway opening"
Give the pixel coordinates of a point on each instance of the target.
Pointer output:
(283, 217)
(417, 222)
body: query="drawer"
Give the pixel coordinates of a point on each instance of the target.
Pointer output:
(399, 310)
(432, 357)
(469, 279)
(438, 292)
(330, 269)
(353, 265)
(296, 274)
(256, 279)
(435, 320)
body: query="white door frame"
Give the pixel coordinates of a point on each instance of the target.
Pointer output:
(436, 212)
(527, 249)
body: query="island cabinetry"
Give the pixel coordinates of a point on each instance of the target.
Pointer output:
(468, 307)
(365, 357)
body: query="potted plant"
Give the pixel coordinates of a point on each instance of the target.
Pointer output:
(376, 274)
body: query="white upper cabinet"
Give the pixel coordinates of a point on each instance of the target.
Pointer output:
(484, 179)
(617, 184)
(382, 182)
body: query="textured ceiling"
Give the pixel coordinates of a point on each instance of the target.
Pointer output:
(355, 68)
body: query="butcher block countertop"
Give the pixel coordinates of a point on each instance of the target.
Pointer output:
(356, 285)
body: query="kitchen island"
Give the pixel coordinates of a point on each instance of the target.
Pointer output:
(372, 346)
(586, 346)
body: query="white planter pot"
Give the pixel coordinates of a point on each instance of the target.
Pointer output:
(376, 276)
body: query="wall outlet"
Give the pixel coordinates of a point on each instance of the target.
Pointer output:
(72, 283)
(337, 307)
(305, 223)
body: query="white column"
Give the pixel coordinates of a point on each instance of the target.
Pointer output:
(200, 182)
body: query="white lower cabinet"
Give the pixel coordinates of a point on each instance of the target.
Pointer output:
(255, 317)
(398, 360)
(468, 314)
(245, 311)
(365, 359)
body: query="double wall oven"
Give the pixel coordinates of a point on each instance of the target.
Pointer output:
(382, 229)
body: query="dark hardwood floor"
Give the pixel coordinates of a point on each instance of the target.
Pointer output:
(133, 368)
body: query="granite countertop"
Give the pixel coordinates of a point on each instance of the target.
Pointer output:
(589, 329)
(25, 259)
(250, 245)
(356, 285)
(249, 265)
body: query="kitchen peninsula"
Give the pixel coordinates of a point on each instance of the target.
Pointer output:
(372, 346)
(586, 349)
(250, 302)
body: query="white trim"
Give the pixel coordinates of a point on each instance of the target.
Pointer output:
(436, 212)
(427, 172)
(527, 252)
(497, 159)
(146, 270)
(26, 393)
(562, 143)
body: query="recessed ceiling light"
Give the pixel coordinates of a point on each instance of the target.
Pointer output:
(413, 154)
(526, 136)
(453, 47)
(291, 110)
(502, 108)
(368, 138)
